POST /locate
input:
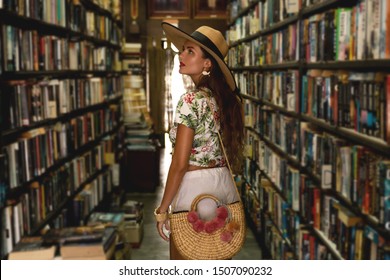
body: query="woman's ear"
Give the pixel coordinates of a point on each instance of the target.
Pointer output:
(207, 63)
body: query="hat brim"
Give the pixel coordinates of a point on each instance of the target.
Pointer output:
(178, 37)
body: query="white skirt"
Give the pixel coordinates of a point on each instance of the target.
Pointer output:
(215, 181)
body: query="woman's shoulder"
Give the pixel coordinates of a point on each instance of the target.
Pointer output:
(204, 92)
(195, 95)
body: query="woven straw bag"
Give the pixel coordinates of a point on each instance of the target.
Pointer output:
(195, 245)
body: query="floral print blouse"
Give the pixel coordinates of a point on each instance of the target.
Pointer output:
(194, 112)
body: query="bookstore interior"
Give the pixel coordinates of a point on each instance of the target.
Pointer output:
(88, 90)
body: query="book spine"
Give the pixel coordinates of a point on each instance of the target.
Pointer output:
(383, 32)
(387, 39)
(388, 109)
(383, 180)
(361, 30)
(385, 199)
(373, 29)
(8, 229)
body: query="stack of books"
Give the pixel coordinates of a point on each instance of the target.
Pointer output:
(133, 225)
(106, 219)
(114, 220)
(32, 248)
(83, 243)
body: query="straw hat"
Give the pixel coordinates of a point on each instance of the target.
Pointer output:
(209, 39)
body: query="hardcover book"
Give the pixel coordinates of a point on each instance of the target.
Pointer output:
(72, 235)
(101, 250)
(106, 219)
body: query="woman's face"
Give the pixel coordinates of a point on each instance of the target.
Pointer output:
(192, 62)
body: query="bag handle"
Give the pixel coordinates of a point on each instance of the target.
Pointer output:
(203, 196)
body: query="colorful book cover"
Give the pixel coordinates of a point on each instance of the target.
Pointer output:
(72, 234)
(384, 192)
(343, 17)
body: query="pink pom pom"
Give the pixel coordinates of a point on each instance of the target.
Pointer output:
(192, 217)
(220, 223)
(198, 226)
(210, 226)
(226, 236)
(222, 212)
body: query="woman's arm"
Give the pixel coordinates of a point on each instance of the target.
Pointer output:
(177, 169)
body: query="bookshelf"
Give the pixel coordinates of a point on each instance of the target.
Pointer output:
(61, 121)
(315, 80)
(141, 162)
(134, 98)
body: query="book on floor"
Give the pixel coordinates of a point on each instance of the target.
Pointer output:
(106, 219)
(32, 248)
(73, 234)
(98, 250)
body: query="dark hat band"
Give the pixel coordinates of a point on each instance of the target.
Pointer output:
(207, 42)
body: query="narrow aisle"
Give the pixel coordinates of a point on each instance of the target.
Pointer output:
(155, 248)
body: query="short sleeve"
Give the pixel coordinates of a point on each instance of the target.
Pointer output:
(187, 111)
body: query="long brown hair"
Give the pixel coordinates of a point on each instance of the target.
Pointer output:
(231, 113)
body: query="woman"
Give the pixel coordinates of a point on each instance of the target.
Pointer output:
(198, 162)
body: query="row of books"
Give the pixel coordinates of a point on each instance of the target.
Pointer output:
(35, 206)
(58, 136)
(113, 6)
(350, 236)
(356, 101)
(70, 14)
(91, 240)
(236, 7)
(32, 155)
(307, 247)
(87, 21)
(336, 233)
(253, 207)
(277, 247)
(74, 243)
(354, 172)
(360, 33)
(278, 47)
(360, 101)
(53, 12)
(84, 56)
(101, 27)
(280, 130)
(356, 33)
(263, 15)
(278, 87)
(89, 198)
(27, 50)
(265, 9)
(25, 103)
(297, 170)
(273, 128)
(288, 143)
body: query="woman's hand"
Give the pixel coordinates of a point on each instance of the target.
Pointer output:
(160, 227)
